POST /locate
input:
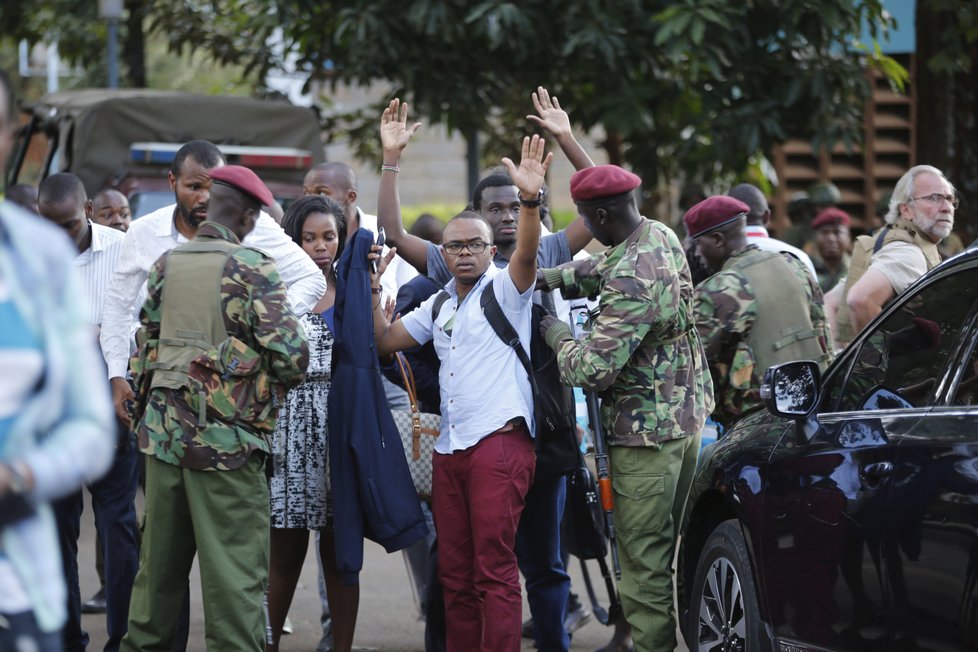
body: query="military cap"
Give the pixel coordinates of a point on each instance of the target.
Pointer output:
(243, 180)
(601, 181)
(831, 216)
(712, 213)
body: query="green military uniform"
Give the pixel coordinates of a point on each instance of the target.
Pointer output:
(218, 338)
(761, 309)
(827, 279)
(644, 357)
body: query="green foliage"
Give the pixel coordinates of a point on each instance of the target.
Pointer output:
(693, 87)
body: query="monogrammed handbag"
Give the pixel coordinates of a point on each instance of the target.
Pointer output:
(418, 430)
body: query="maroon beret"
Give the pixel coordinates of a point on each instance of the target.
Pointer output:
(601, 181)
(712, 213)
(244, 180)
(831, 216)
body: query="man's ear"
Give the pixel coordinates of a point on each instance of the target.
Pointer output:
(351, 198)
(904, 210)
(601, 215)
(89, 209)
(173, 181)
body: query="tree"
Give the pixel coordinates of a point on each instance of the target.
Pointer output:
(692, 86)
(947, 108)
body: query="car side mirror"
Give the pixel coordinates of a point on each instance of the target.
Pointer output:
(790, 390)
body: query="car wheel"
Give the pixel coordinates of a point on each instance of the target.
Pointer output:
(723, 612)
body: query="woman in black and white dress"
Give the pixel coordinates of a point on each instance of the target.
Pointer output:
(299, 488)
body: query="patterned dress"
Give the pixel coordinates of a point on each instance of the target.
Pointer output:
(299, 487)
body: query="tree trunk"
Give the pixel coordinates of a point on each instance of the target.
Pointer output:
(134, 47)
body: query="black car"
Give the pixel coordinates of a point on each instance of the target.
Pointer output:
(845, 516)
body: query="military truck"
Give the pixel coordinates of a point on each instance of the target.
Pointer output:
(126, 139)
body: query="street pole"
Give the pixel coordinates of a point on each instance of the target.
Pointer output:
(113, 52)
(111, 11)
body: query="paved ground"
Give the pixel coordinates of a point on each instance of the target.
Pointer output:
(388, 618)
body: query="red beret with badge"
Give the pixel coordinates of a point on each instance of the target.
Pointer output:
(602, 181)
(831, 216)
(712, 213)
(243, 180)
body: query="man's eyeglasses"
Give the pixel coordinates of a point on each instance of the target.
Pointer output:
(474, 247)
(936, 199)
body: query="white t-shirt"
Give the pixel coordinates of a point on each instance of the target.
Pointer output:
(901, 263)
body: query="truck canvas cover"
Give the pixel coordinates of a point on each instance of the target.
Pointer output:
(96, 127)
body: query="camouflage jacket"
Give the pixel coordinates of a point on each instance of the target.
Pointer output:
(642, 354)
(726, 310)
(258, 320)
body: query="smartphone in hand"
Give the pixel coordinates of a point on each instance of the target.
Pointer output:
(381, 239)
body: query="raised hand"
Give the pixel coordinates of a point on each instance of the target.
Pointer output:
(549, 114)
(394, 131)
(529, 176)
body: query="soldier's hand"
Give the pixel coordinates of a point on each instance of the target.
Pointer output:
(541, 281)
(121, 395)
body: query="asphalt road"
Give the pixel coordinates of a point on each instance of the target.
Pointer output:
(388, 619)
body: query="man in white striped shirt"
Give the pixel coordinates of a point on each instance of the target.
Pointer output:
(62, 200)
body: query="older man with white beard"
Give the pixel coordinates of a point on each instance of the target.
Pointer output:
(921, 214)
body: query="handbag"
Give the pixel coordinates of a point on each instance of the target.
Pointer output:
(418, 431)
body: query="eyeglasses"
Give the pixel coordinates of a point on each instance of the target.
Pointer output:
(936, 199)
(474, 247)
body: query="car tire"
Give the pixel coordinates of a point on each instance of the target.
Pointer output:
(723, 607)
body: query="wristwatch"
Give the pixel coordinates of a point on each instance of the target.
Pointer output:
(532, 203)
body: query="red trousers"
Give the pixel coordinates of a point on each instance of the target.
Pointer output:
(478, 497)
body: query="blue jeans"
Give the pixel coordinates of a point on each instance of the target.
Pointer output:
(538, 555)
(16, 628)
(115, 519)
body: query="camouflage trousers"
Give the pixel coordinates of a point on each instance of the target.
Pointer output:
(650, 485)
(221, 516)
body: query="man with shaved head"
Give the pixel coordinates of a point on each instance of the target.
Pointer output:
(111, 208)
(758, 219)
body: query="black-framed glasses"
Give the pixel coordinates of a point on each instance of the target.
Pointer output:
(936, 198)
(474, 247)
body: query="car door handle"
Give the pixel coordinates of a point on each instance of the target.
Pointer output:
(873, 474)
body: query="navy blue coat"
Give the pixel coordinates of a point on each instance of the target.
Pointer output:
(373, 495)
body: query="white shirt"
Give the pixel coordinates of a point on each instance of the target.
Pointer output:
(901, 263)
(96, 266)
(757, 235)
(398, 272)
(152, 236)
(483, 384)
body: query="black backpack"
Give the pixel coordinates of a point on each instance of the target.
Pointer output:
(553, 402)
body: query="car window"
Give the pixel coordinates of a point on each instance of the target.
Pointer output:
(966, 392)
(899, 364)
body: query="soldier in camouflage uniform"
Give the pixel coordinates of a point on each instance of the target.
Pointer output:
(759, 308)
(644, 358)
(218, 339)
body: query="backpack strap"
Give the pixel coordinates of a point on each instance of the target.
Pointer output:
(880, 238)
(501, 326)
(436, 306)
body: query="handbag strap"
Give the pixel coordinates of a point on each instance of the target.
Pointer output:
(408, 375)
